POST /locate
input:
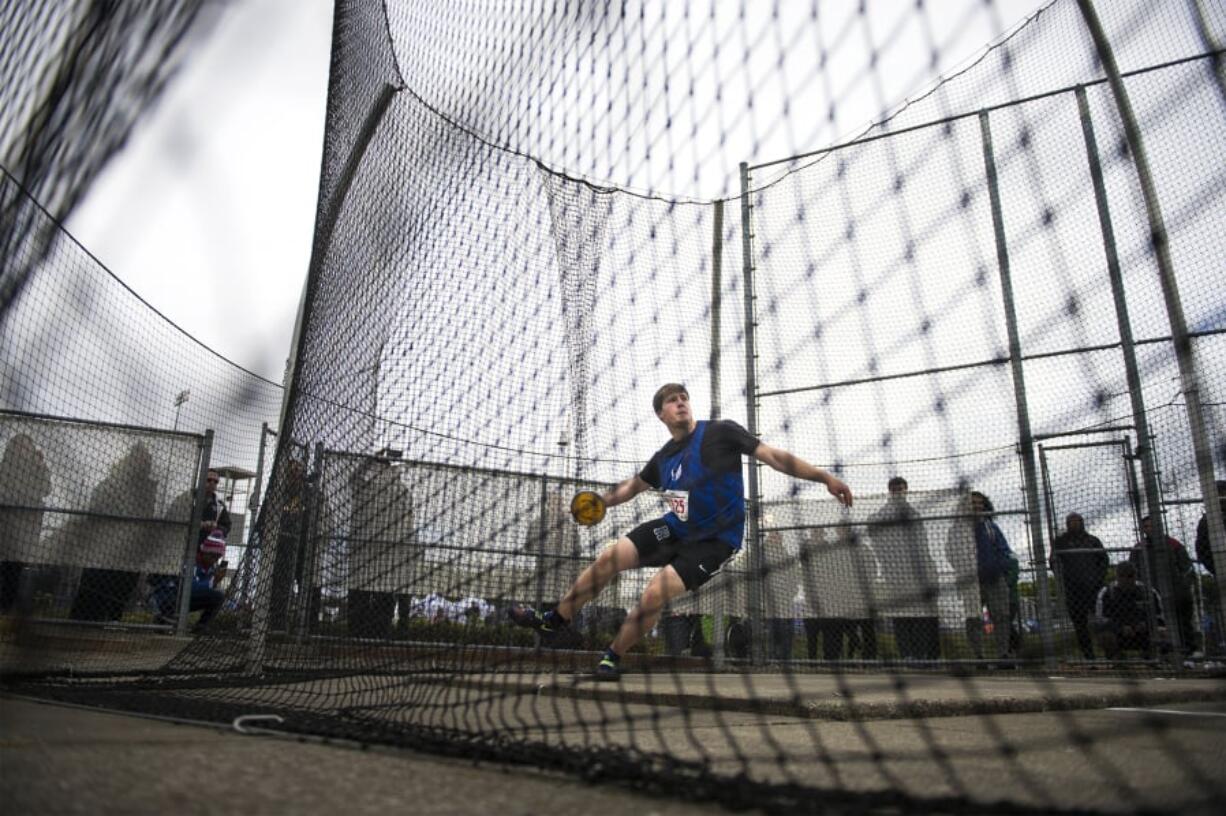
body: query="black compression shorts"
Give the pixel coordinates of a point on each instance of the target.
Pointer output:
(696, 561)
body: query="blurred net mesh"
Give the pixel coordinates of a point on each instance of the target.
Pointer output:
(75, 78)
(529, 219)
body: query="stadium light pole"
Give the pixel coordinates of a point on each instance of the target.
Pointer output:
(1160, 241)
(182, 397)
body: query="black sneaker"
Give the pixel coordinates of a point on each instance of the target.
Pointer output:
(526, 617)
(607, 669)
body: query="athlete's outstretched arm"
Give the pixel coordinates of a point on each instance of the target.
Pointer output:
(793, 465)
(624, 491)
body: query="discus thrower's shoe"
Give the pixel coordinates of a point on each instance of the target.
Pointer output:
(608, 670)
(526, 617)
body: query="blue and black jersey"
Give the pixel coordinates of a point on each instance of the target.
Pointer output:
(700, 479)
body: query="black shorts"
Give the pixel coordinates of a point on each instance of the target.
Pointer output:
(695, 560)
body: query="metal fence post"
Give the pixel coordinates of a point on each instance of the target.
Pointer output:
(1160, 241)
(757, 556)
(253, 516)
(720, 602)
(542, 562)
(1145, 450)
(193, 534)
(1026, 439)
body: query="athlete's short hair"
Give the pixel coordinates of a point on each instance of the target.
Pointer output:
(665, 391)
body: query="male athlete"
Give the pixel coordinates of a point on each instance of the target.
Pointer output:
(698, 474)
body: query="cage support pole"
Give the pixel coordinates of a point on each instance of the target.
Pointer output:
(1160, 241)
(1145, 451)
(757, 558)
(1025, 437)
(720, 601)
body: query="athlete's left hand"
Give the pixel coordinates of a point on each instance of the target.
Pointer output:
(839, 489)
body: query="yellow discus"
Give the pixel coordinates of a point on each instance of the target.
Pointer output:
(587, 507)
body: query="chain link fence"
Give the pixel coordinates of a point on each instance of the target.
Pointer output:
(976, 296)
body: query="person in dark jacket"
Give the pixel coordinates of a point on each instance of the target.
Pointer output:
(1080, 562)
(1204, 553)
(215, 516)
(994, 559)
(1122, 615)
(1145, 559)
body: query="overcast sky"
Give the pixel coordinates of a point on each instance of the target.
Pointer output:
(208, 212)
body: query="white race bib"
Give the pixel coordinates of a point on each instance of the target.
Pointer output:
(678, 502)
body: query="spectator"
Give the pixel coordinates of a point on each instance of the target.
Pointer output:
(125, 502)
(993, 560)
(209, 572)
(1148, 563)
(840, 588)
(477, 610)
(1122, 614)
(215, 515)
(682, 632)
(901, 544)
(1204, 552)
(782, 583)
(25, 482)
(964, 584)
(289, 534)
(381, 548)
(1080, 563)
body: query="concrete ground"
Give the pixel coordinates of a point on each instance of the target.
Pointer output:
(1093, 744)
(58, 760)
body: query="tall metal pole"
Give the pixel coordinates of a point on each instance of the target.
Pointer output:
(1145, 451)
(717, 285)
(719, 613)
(327, 217)
(1026, 438)
(309, 547)
(542, 552)
(188, 572)
(757, 557)
(1189, 380)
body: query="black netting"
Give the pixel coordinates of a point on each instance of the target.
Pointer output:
(74, 79)
(996, 314)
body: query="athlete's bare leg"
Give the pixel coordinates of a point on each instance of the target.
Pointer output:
(618, 557)
(665, 586)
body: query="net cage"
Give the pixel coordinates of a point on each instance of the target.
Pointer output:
(75, 78)
(1005, 291)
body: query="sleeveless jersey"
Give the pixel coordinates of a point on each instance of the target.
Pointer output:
(702, 503)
